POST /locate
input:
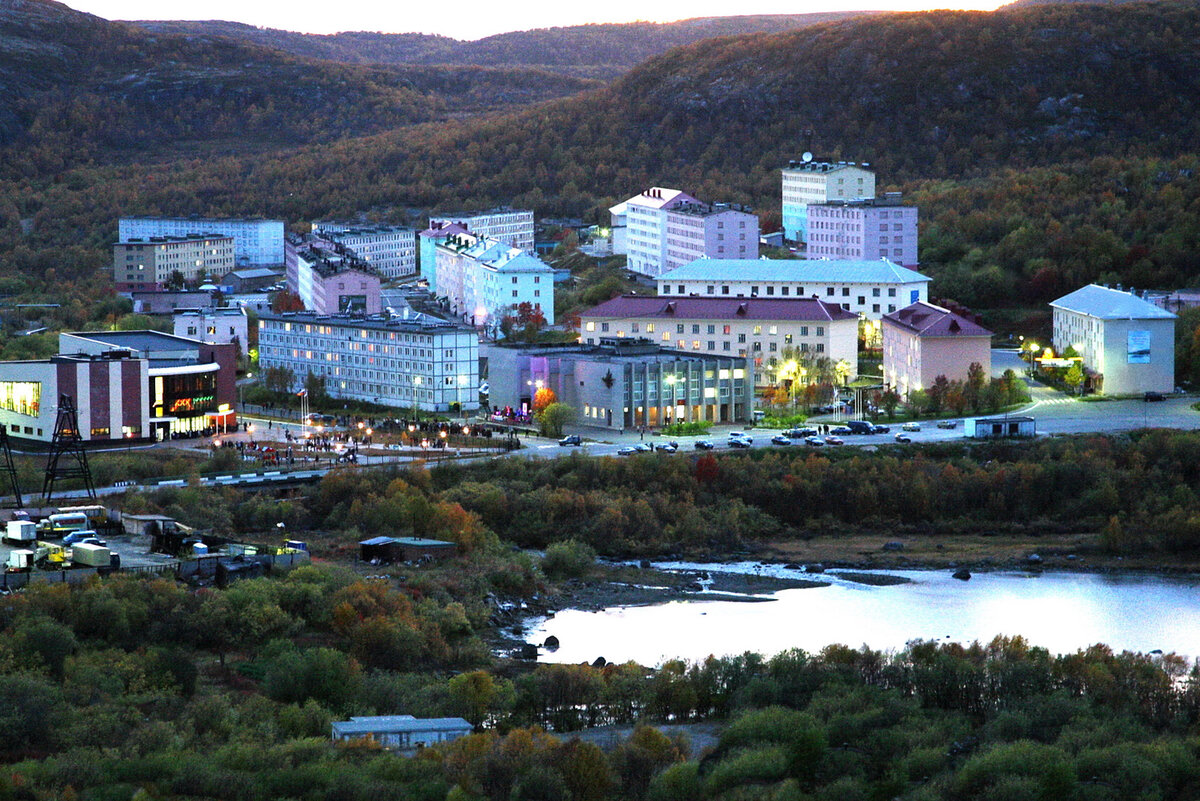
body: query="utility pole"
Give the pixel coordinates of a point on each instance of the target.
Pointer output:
(67, 442)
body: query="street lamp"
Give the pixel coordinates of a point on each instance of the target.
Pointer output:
(670, 381)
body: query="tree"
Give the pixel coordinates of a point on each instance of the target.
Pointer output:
(285, 301)
(1073, 378)
(543, 398)
(552, 419)
(976, 381)
(889, 400)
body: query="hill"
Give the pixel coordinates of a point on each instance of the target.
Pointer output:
(77, 87)
(584, 50)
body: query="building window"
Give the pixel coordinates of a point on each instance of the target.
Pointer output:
(845, 292)
(820, 330)
(875, 292)
(649, 328)
(679, 328)
(787, 339)
(710, 289)
(891, 291)
(695, 328)
(712, 329)
(724, 290)
(829, 291)
(861, 300)
(603, 326)
(725, 345)
(784, 290)
(770, 290)
(741, 338)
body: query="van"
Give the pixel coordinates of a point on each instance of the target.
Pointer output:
(858, 426)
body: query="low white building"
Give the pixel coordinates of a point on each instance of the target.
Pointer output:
(390, 249)
(432, 365)
(1127, 343)
(214, 325)
(484, 280)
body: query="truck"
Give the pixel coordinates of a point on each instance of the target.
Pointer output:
(19, 560)
(62, 523)
(90, 555)
(19, 531)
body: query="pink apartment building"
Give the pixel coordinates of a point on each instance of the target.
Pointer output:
(880, 228)
(709, 231)
(923, 341)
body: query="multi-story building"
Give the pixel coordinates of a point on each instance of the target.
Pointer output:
(513, 227)
(108, 391)
(484, 280)
(190, 385)
(148, 265)
(390, 249)
(257, 243)
(863, 229)
(220, 324)
(808, 182)
(1126, 343)
(332, 283)
(422, 363)
(924, 341)
(622, 383)
(436, 234)
(760, 329)
(661, 229)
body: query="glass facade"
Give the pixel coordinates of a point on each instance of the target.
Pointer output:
(22, 397)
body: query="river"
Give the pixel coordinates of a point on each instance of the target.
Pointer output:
(1059, 611)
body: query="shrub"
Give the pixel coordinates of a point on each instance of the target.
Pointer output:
(569, 559)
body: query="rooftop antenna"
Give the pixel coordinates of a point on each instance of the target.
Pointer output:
(9, 468)
(67, 442)
(808, 134)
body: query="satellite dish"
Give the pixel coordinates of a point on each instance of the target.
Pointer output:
(806, 157)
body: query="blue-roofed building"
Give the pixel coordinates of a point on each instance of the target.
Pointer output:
(483, 280)
(400, 732)
(1127, 344)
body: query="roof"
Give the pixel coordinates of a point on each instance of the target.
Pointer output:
(720, 308)
(825, 166)
(927, 320)
(138, 340)
(376, 322)
(657, 197)
(1110, 304)
(443, 230)
(399, 723)
(829, 271)
(378, 541)
(495, 254)
(1009, 419)
(424, 543)
(253, 272)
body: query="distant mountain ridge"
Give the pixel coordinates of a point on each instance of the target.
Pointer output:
(601, 50)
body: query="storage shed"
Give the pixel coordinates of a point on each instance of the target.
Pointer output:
(383, 550)
(1000, 427)
(400, 732)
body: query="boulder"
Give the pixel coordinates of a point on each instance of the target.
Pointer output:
(527, 651)
(551, 642)
(815, 568)
(1034, 559)
(893, 546)
(791, 566)
(600, 662)
(645, 564)
(962, 574)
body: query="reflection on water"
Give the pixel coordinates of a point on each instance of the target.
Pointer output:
(1059, 611)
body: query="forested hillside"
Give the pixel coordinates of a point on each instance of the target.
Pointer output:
(587, 50)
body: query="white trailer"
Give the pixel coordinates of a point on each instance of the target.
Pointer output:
(90, 555)
(21, 531)
(20, 559)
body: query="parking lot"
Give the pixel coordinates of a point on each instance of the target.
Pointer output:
(134, 551)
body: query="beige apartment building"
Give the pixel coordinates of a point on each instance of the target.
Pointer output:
(924, 341)
(757, 329)
(148, 264)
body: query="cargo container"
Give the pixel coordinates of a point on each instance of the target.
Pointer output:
(19, 560)
(91, 555)
(20, 531)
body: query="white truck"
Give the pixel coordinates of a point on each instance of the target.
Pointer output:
(19, 560)
(19, 531)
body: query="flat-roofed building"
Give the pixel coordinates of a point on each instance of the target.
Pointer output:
(331, 283)
(924, 341)
(484, 280)
(863, 229)
(513, 227)
(150, 264)
(622, 383)
(220, 324)
(808, 182)
(1127, 344)
(390, 249)
(400, 732)
(257, 242)
(760, 329)
(422, 362)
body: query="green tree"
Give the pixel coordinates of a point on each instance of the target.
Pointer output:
(1073, 378)
(552, 419)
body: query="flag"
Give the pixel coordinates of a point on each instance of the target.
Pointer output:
(302, 393)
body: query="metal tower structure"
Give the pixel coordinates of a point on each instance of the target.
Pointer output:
(10, 468)
(68, 443)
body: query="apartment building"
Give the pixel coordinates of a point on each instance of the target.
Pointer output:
(758, 329)
(257, 243)
(429, 239)
(332, 283)
(863, 229)
(1127, 343)
(622, 383)
(390, 249)
(432, 365)
(148, 265)
(809, 182)
(513, 227)
(924, 341)
(483, 280)
(221, 324)
(662, 229)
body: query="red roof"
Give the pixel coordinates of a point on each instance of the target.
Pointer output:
(720, 308)
(926, 320)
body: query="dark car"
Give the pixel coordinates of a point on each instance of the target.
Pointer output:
(815, 441)
(570, 439)
(703, 445)
(858, 427)
(801, 433)
(1150, 397)
(947, 424)
(877, 429)
(667, 447)
(780, 439)
(740, 442)
(842, 431)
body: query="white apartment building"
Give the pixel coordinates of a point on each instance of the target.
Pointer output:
(863, 229)
(428, 364)
(513, 227)
(643, 220)
(484, 280)
(1127, 343)
(808, 182)
(147, 265)
(257, 243)
(390, 249)
(758, 329)
(214, 325)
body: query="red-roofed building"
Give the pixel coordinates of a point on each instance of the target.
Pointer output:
(760, 329)
(923, 341)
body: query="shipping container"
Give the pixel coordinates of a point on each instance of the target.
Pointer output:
(91, 555)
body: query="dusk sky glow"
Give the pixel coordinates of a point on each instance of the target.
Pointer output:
(469, 19)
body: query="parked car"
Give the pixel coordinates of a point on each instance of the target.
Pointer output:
(801, 433)
(878, 429)
(628, 450)
(780, 439)
(703, 445)
(859, 427)
(643, 447)
(79, 536)
(667, 447)
(740, 442)
(842, 431)
(1150, 397)
(570, 439)
(814, 441)
(947, 424)
(902, 437)
(93, 541)
(911, 427)
(832, 440)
